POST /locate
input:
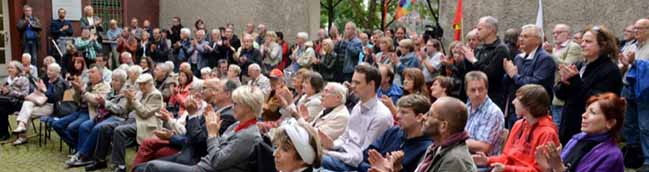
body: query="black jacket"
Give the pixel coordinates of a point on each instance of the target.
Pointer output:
(328, 67)
(490, 61)
(600, 76)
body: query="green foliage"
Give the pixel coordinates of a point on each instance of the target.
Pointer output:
(367, 16)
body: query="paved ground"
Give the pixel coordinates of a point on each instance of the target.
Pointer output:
(33, 158)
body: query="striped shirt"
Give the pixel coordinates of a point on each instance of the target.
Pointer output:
(485, 124)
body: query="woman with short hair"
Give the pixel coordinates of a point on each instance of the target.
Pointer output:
(230, 151)
(297, 147)
(12, 92)
(534, 128)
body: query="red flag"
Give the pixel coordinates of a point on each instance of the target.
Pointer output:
(457, 23)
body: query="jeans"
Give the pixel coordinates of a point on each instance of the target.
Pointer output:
(88, 134)
(556, 114)
(68, 127)
(31, 47)
(332, 164)
(636, 126)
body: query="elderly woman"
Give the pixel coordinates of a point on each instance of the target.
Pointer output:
(595, 148)
(115, 104)
(297, 147)
(598, 74)
(234, 72)
(535, 128)
(111, 110)
(302, 53)
(52, 89)
(271, 52)
(134, 72)
(230, 151)
(12, 92)
(328, 62)
(312, 87)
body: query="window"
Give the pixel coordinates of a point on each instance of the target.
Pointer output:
(107, 10)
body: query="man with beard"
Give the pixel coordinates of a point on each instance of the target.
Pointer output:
(445, 123)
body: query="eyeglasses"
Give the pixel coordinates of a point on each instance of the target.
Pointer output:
(558, 32)
(640, 28)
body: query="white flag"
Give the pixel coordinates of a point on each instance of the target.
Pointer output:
(539, 18)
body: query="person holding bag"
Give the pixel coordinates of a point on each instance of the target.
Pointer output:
(12, 93)
(41, 101)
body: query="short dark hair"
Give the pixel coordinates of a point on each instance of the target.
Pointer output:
(223, 61)
(445, 82)
(230, 86)
(535, 99)
(371, 74)
(389, 69)
(315, 80)
(418, 103)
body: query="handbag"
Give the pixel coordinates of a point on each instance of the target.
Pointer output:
(37, 97)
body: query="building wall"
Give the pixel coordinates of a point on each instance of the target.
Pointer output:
(288, 16)
(615, 15)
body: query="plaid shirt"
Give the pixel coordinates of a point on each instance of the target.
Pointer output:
(485, 124)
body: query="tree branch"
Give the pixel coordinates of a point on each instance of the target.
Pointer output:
(339, 1)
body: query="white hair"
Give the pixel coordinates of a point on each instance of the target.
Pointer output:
(170, 66)
(127, 54)
(339, 90)
(250, 96)
(55, 67)
(536, 30)
(27, 55)
(186, 31)
(206, 70)
(120, 74)
(135, 68)
(491, 21)
(254, 66)
(123, 67)
(303, 35)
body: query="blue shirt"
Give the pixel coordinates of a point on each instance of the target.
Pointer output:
(394, 92)
(485, 124)
(395, 139)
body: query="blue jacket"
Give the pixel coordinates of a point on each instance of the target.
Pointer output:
(538, 70)
(638, 81)
(394, 139)
(407, 61)
(350, 51)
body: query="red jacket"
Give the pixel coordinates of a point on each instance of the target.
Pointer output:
(520, 148)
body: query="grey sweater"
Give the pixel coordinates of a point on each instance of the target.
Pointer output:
(230, 152)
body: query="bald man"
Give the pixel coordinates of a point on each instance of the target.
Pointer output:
(641, 29)
(449, 152)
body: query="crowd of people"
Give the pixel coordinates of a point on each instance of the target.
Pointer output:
(194, 99)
